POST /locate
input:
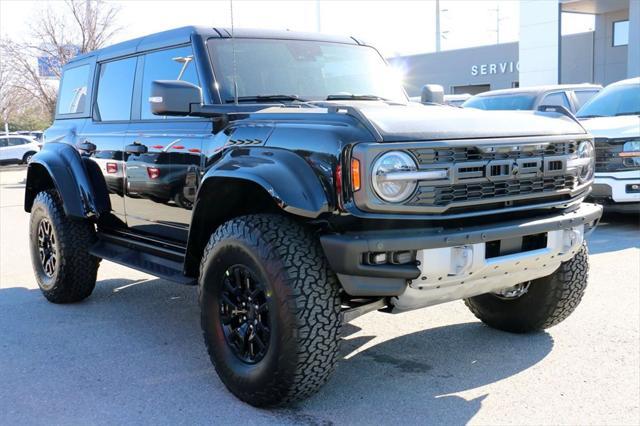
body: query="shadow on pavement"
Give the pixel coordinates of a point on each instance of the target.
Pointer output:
(136, 347)
(615, 232)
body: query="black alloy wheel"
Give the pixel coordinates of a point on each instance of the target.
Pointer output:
(244, 314)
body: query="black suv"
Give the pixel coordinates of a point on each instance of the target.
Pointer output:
(289, 178)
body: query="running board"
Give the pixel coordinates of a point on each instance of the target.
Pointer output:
(160, 267)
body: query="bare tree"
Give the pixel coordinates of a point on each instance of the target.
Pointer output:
(57, 36)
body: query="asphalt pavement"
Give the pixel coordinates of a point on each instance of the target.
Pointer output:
(133, 353)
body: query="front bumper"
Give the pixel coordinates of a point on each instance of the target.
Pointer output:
(616, 187)
(345, 252)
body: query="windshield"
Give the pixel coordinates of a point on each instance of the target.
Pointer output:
(308, 70)
(612, 101)
(507, 102)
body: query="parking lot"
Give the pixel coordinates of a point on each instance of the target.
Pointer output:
(133, 352)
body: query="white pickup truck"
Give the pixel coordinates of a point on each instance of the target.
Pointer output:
(613, 118)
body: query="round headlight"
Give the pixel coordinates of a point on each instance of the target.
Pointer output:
(387, 186)
(586, 152)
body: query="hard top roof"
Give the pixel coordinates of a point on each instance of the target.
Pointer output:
(183, 35)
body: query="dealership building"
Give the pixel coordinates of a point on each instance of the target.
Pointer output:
(609, 53)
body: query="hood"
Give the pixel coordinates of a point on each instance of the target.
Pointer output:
(613, 127)
(429, 122)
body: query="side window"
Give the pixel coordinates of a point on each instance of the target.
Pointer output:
(583, 96)
(3, 142)
(558, 98)
(172, 64)
(73, 90)
(115, 90)
(16, 141)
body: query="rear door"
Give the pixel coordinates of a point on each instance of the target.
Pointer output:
(110, 121)
(16, 148)
(164, 158)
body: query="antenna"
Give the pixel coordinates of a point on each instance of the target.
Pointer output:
(235, 66)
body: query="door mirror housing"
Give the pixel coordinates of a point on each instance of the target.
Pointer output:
(432, 94)
(174, 97)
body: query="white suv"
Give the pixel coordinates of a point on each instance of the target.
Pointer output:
(613, 118)
(17, 149)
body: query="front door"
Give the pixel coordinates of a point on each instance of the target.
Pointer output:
(162, 172)
(163, 155)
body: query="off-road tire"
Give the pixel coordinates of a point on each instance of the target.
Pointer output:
(548, 301)
(304, 308)
(75, 272)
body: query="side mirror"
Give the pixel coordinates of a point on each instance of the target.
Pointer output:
(432, 94)
(174, 97)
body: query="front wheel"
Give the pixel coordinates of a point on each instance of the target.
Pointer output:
(270, 309)
(538, 304)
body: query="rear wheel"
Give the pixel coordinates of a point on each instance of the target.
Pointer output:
(63, 267)
(270, 309)
(26, 159)
(538, 304)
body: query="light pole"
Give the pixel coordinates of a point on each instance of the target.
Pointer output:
(439, 33)
(498, 20)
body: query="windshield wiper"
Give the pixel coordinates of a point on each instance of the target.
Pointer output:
(267, 98)
(352, 97)
(590, 116)
(628, 113)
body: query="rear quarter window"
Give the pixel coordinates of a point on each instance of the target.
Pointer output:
(72, 97)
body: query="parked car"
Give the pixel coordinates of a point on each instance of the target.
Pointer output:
(569, 96)
(452, 100)
(35, 134)
(318, 193)
(613, 118)
(17, 149)
(456, 100)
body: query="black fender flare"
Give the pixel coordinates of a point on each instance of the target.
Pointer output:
(279, 175)
(283, 174)
(77, 179)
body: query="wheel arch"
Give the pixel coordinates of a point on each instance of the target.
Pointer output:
(78, 181)
(253, 180)
(219, 200)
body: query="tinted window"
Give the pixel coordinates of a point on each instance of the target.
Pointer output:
(109, 155)
(613, 100)
(16, 141)
(506, 102)
(3, 143)
(115, 90)
(584, 95)
(173, 64)
(558, 98)
(621, 33)
(73, 90)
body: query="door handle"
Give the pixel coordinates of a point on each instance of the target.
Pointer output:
(87, 146)
(136, 148)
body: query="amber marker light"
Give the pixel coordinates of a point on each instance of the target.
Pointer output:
(355, 174)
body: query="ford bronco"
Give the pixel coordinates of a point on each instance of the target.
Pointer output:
(288, 176)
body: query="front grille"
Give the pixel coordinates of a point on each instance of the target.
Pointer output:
(429, 195)
(440, 155)
(607, 159)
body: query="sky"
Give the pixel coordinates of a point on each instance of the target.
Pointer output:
(395, 27)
